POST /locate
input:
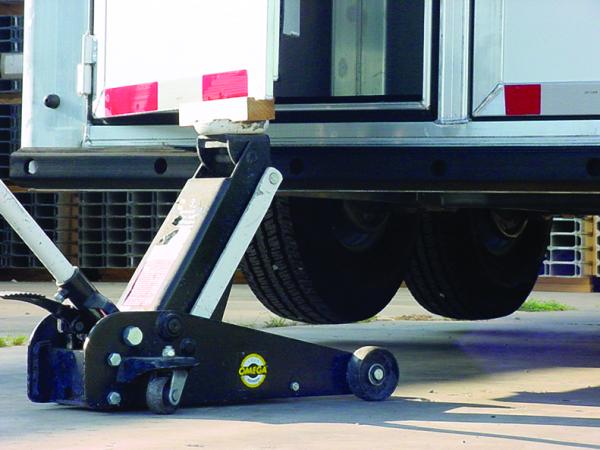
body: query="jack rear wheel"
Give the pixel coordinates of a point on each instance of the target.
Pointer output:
(372, 374)
(158, 395)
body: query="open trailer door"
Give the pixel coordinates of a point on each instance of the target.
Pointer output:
(213, 62)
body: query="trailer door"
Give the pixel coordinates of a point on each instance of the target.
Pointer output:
(206, 60)
(536, 58)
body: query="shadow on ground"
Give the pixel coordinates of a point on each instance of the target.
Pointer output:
(427, 352)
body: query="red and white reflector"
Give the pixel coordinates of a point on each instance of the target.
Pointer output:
(221, 86)
(523, 99)
(169, 95)
(542, 99)
(135, 99)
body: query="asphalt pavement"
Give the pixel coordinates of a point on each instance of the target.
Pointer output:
(531, 380)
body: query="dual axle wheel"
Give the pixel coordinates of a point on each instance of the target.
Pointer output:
(337, 261)
(372, 375)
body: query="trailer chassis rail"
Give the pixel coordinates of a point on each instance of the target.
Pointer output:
(553, 180)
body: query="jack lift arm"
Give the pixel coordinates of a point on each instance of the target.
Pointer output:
(164, 344)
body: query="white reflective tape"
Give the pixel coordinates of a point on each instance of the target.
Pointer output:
(570, 99)
(557, 99)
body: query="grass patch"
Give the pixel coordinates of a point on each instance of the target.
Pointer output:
(544, 306)
(11, 341)
(277, 322)
(369, 320)
(20, 340)
(416, 318)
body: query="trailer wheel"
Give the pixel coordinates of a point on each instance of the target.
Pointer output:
(329, 261)
(372, 374)
(157, 395)
(477, 265)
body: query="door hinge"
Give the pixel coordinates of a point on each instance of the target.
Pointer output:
(89, 54)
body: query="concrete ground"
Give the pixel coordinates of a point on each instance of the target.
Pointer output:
(531, 380)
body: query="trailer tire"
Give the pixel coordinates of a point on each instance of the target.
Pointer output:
(463, 269)
(299, 270)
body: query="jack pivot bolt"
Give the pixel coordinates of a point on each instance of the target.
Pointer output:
(133, 336)
(113, 398)
(168, 352)
(274, 178)
(169, 326)
(114, 360)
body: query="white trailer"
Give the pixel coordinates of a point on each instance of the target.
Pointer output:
(421, 140)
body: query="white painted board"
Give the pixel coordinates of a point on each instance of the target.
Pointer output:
(167, 49)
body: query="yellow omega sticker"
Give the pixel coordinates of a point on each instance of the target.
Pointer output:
(253, 370)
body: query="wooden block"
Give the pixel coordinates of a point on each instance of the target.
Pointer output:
(10, 98)
(554, 284)
(595, 247)
(229, 116)
(15, 189)
(260, 110)
(239, 278)
(11, 8)
(589, 256)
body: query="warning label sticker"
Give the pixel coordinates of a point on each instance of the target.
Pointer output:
(143, 292)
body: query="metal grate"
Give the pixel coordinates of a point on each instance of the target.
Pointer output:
(116, 228)
(147, 211)
(44, 209)
(11, 40)
(94, 229)
(566, 254)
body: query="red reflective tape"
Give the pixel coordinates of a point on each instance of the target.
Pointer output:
(139, 98)
(220, 86)
(523, 100)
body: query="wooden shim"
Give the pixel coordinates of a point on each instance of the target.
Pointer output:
(555, 284)
(259, 110)
(589, 256)
(16, 189)
(10, 98)
(11, 8)
(239, 278)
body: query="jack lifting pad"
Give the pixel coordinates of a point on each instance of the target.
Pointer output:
(163, 360)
